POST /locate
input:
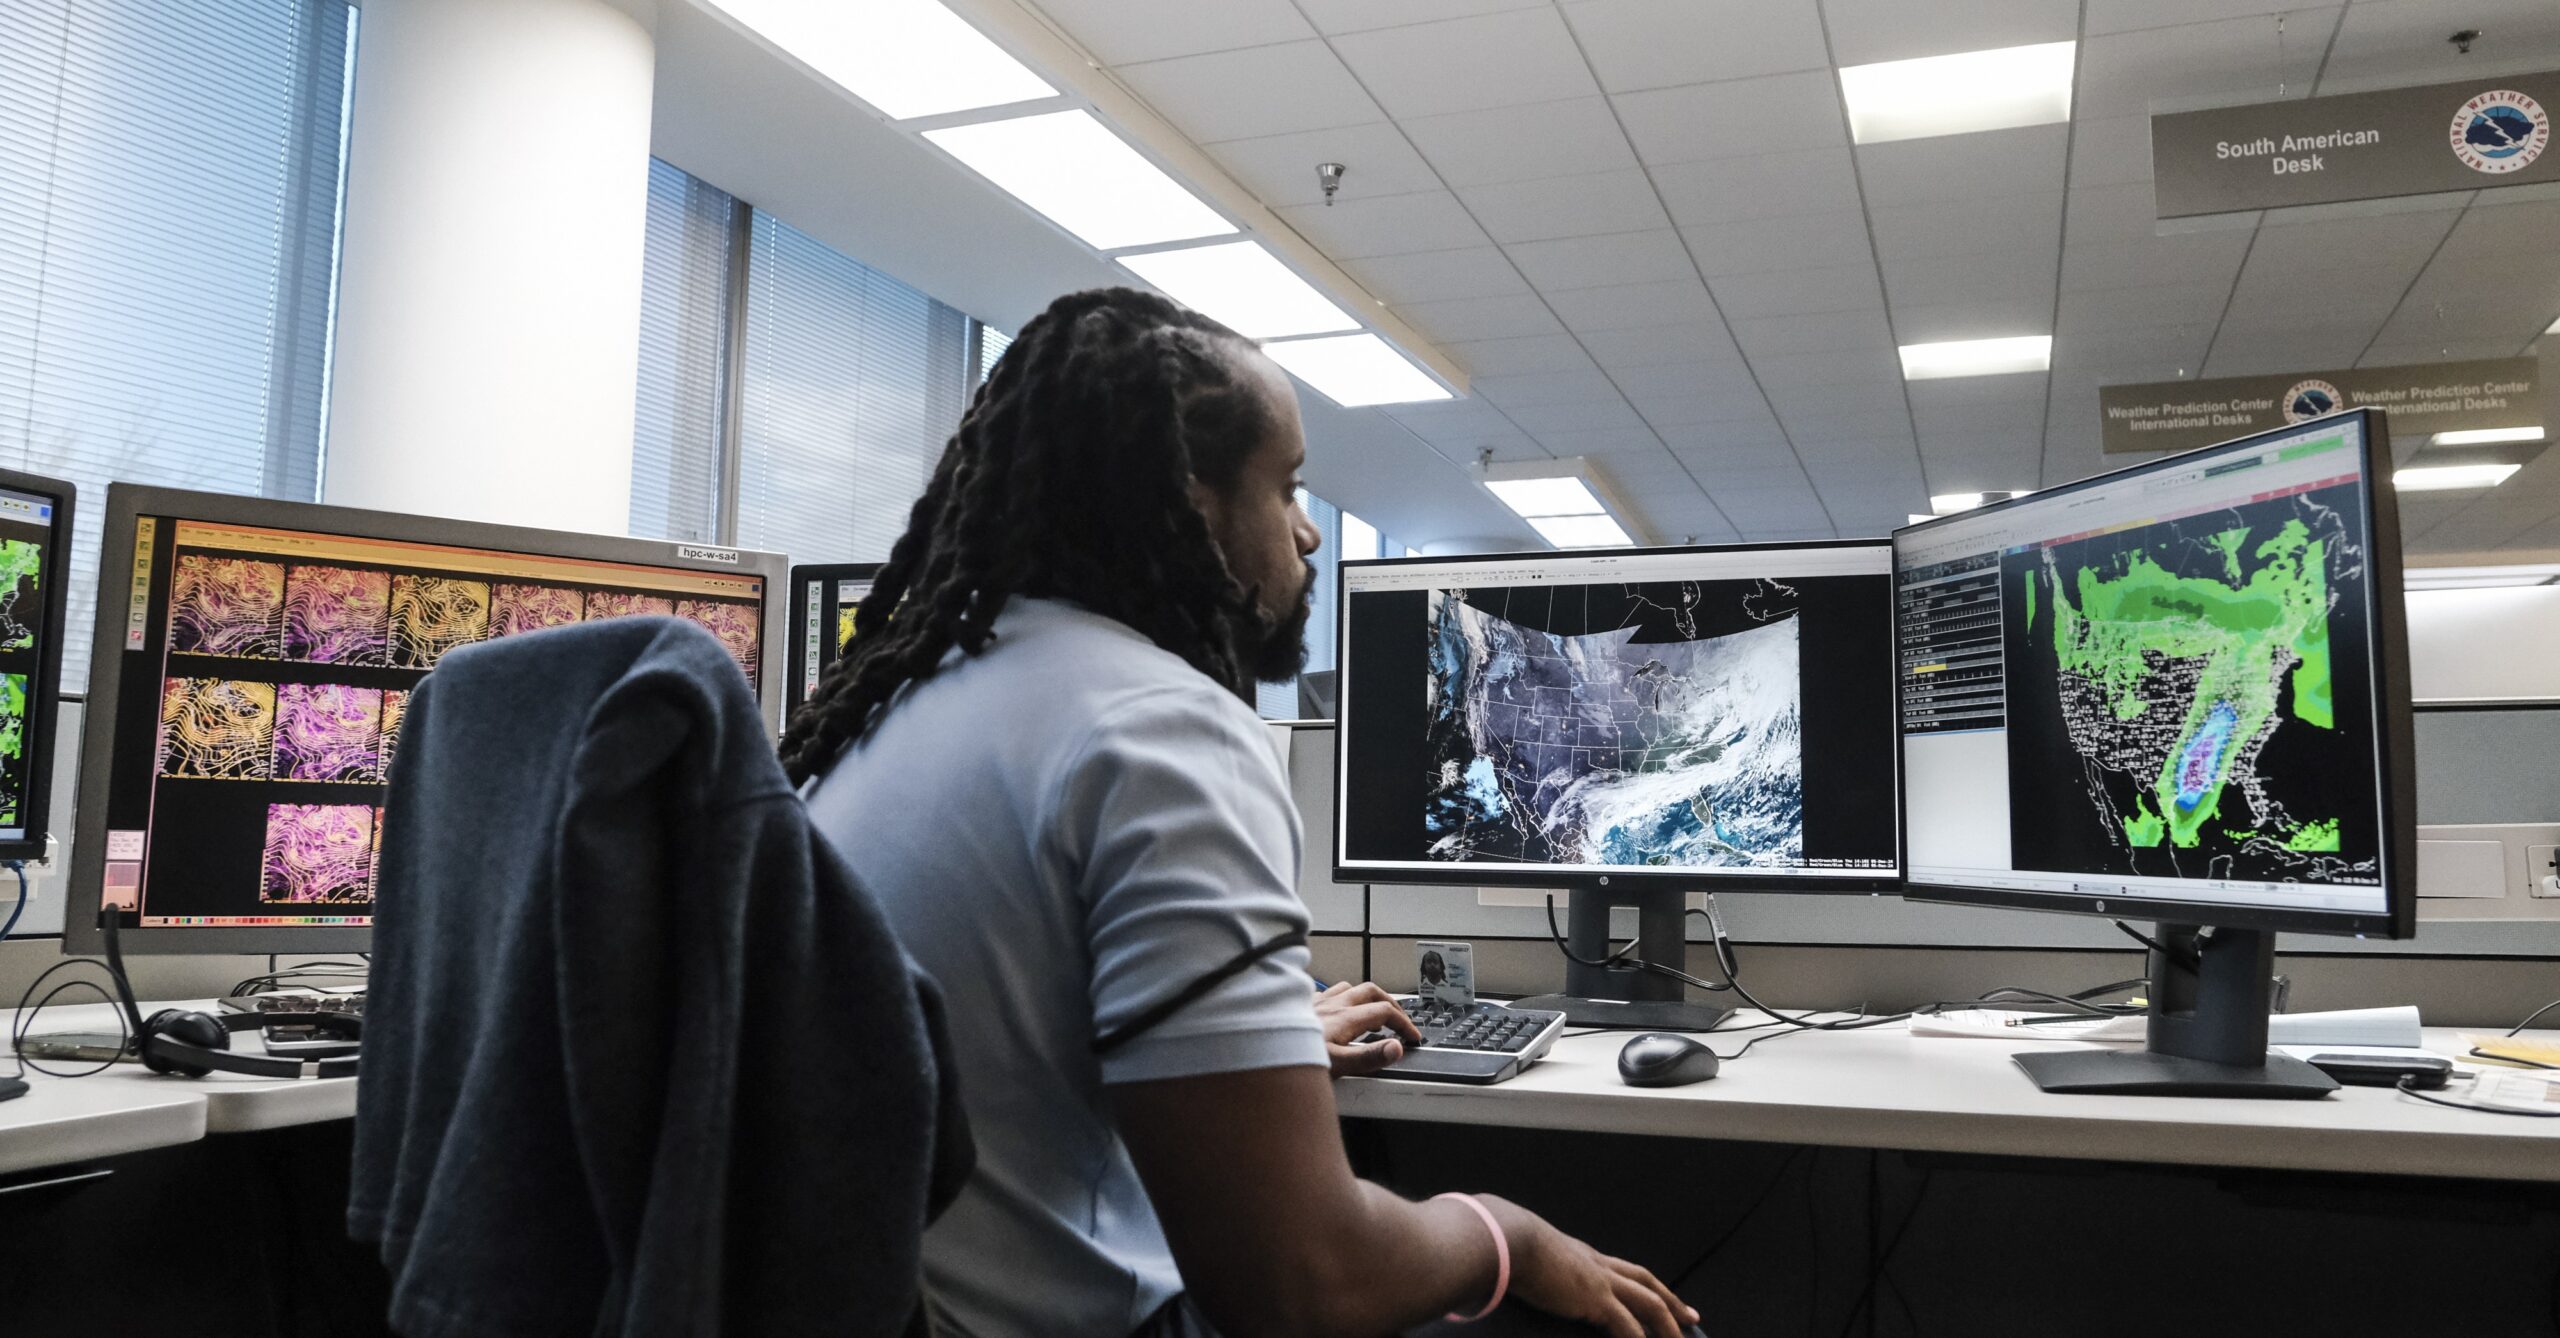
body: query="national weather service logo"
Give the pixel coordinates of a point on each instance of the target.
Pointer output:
(2311, 399)
(2500, 132)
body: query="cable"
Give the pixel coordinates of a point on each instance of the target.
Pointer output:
(27, 1015)
(1733, 978)
(1884, 1261)
(2193, 964)
(2529, 1018)
(1616, 958)
(1757, 1201)
(2406, 1087)
(16, 906)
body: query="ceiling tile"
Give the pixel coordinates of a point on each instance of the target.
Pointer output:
(1527, 211)
(1714, 378)
(2026, 228)
(1638, 44)
(1699, 343)
(1671, 413)
(1264, 90)
(1995, 163)
(1119, 32)
(1444, 419)
(1545, 139)
(2016, 392)
(1866, 31)
(1841, 371)
(1539, 420)
(1281, 169)
(1737, 119)
(1462, 319)
(1388, 225)
(2384, 242)
(2111, 150)
(1800, 292)
(1638, 440)
(1726, 189)
(1821, 333)
(2134, 353)
(1436, 276)
(1634, 306)
(1598, 262)
(2193, 257)
(2116, 16)
(1801, 241)
(2161, 304)
(2200, 64)
(1491, 60)
(2401, 44)
(2119, 215)
(1975, 318)
(1952, 280)
(1351, 16)
(1512, 357)
(1513, 393)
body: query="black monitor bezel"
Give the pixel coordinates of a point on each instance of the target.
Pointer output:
(127, 502)
(1534, 877)
(41, 738)
(831, 573)
(2396, 743)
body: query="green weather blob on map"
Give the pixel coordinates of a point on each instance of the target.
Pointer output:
(2246, 634)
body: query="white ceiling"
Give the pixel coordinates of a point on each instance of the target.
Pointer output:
(1640, 227)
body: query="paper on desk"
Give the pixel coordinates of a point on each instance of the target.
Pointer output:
(2354, 1051)
(2515, 1049)
(2392, 1027)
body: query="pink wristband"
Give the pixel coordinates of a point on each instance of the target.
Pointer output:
(1501, 1257)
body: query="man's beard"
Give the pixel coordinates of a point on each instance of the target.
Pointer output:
(1284, 650)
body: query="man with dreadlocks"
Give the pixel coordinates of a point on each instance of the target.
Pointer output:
(1037, 753)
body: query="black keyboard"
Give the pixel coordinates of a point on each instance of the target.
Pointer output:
(1481, 1043)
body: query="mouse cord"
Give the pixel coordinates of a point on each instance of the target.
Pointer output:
(1733, 977)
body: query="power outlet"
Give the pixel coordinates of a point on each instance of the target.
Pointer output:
(2542, 870)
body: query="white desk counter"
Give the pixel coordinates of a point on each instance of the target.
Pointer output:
(1884, 1088)
(62, 1120)
(228, 1103)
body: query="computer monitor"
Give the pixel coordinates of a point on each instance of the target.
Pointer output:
(35, 561)
(252, 663)
(2175, 692)
(1629, 725)
(823, 599)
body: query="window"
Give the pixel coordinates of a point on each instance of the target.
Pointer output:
(170, 181)
(684, 329)
(1343, 535)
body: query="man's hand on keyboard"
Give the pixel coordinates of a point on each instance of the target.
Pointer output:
(1349, 1011)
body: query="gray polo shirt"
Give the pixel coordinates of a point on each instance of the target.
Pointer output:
(1064, 830)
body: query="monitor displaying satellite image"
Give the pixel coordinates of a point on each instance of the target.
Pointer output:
(1716, 713)
(276, 667)
(2158, 684)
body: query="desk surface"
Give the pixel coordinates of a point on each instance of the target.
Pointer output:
(221, 1102)
(60, 1121)
(1887, 1088)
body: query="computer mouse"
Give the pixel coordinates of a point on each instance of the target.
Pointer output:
(1660, 1059)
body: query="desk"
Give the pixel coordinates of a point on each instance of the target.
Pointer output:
(128, 1108)
(1884, 1088)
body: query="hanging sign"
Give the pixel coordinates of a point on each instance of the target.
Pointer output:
(2357, 146)
(2422, 400)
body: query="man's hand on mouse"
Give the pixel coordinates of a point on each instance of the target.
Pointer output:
(1348, 1011)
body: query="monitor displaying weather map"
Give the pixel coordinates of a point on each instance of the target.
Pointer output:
(268, 672)
(1707, 714)
(27, 537)
(2159, 684)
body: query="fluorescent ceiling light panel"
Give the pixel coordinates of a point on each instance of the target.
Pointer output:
(2552, 328)
(2446, 478)
(1953, 95)
(1356, 370)
(1243, 287)
(908, 58)
(1086, 179)
(1547, 497)
(1581, 532)
(1976, 357)
(2485, 436)
(1949, 503)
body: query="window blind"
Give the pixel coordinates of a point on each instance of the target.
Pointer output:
(170, 181)
(684, 320)
(853, 383)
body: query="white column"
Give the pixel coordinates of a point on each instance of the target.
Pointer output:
(489, 293)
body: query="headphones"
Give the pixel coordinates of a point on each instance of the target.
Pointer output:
(191, 1044)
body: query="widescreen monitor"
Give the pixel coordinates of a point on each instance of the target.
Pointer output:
(35, 560)
(253, 660)
(2175, 692)
(824, 598)
(1630, 725)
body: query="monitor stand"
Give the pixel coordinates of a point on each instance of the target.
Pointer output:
(2208, 1029)
(1627, 998)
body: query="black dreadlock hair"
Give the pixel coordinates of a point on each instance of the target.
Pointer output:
(1107, 405)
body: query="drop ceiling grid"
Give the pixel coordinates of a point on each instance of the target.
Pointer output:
(1576, 198)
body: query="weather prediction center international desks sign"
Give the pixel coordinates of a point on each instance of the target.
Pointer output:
(2356, 146)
